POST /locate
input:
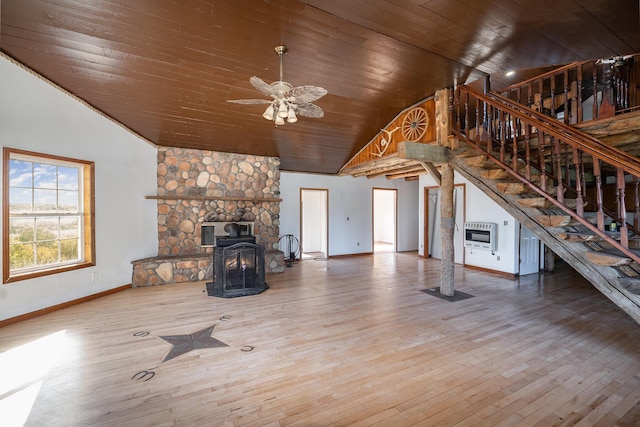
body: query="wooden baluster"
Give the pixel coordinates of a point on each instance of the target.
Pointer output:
(514, 138)
(577, 165)
(617, 88)
(552, 84)
(579, 93)
(567, 163)
(582, 179)
(490, 129)
(478, 126)
(502, 135)
(598, 179)
(636, 203)
(543, 162)
(540, 95)
(529, 95)
(566, 96)
(595, 91)
(622, 209)
(558, 169)
(527, 153)
(625, 87)
(454, 108)
(466, 114)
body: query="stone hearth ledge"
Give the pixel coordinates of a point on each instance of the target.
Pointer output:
(162, 270)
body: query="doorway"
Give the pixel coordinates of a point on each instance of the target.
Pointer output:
(314, 220)
(432, 236)
(384, 220)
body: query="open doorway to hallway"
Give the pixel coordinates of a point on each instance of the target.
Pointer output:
(314, 219)
(384, 220)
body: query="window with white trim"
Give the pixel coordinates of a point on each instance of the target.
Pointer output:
(47, 213)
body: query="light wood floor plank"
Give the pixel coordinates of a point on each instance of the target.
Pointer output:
(349, 341)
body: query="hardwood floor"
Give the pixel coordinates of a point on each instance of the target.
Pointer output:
(345, 342)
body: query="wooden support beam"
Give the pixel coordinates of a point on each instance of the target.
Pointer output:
(400, 168)
(433, 171)
(408, 174)
(384, 161)
(423, 152)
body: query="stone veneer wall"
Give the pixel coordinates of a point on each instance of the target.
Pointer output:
(210, 186)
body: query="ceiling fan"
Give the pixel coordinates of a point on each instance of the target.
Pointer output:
(616, 61)
(287, 101)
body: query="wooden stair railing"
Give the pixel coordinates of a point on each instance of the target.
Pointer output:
(609, 88)
(566, 162)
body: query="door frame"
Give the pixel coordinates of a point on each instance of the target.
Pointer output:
(326, 216)
(373, 217)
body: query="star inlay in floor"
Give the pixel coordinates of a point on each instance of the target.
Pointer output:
(185, 343)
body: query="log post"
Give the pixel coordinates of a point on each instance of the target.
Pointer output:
(443, 127)
(447, 224)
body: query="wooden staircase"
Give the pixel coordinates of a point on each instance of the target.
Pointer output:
(555, 180)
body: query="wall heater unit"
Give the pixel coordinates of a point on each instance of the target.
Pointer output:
(480, 235)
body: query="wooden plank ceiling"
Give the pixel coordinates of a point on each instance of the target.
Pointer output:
(165, 68)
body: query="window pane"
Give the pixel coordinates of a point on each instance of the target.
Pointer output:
(46, 229)
(20, 200)
(68, 201)
(69, 250)
(21, 255)
(44, 200)
(20, 174)
(68, 178)
(44, 176)
(69, 228)
(46, 252)
(21, 230)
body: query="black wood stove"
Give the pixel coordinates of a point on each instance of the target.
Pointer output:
(238, 267)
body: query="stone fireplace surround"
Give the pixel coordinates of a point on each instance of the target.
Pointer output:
(196, 186)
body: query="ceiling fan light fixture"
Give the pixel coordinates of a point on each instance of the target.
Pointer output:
(292, 116)
(268, 113)
(283, 110)
(279, 121)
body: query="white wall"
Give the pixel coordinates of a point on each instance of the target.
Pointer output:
(35, 116)
(350, 210)
(480, 208)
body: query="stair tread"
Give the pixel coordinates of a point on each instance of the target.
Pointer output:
(544, 203)
(556, 220)
(577, 236)
(607, 258)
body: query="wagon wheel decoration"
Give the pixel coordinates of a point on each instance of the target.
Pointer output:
(415, 124)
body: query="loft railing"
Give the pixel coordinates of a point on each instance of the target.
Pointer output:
(582, 91)
(604, 181)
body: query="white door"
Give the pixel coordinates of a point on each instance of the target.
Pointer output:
(529, 252)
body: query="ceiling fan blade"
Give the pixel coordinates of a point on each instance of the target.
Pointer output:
(250, 101)
(305, 94)
(262, 86)
(309, 110)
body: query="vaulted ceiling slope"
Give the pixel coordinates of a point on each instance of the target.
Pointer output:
(165, 68)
